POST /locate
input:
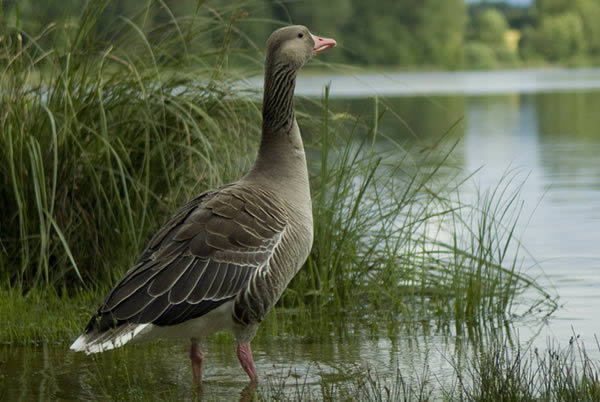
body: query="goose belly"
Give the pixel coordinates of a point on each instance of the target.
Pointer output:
(219, 319)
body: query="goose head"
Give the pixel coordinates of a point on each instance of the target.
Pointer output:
(295, 45)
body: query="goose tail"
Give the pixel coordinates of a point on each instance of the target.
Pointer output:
(94, 341)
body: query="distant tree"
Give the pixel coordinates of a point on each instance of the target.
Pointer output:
(528, 44)
(553, 7)
(589, 11)
(491, 27)
(555, 16)
(333, 14)
(516, 16)
(391, 43)
(561, 37)
(394, 33)
(487, 41)
(439, 30)
(478, 55)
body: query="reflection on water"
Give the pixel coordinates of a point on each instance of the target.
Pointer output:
(552, 138)
(161, 371)
(467, 83)
(555, 139)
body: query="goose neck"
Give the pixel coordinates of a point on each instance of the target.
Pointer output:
(278, 100)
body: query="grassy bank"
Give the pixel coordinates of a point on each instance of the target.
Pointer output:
(44, 316)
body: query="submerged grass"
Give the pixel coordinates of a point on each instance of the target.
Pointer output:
(502, 372)
(497, 372)
(393, 233)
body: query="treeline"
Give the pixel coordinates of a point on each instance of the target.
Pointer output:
(565, 32)
(449, 34)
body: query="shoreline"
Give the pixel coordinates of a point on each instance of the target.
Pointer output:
(470, 83)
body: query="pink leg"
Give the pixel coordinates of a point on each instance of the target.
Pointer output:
(244, 354)
(196, 356)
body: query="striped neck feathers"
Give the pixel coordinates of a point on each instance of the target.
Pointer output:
(280, 161)
(278, 101)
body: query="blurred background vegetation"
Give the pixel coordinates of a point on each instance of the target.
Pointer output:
(431, 34)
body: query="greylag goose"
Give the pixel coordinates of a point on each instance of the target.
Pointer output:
(223, 260)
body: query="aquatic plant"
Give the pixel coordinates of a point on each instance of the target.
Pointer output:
(394, 232)
(502, 371)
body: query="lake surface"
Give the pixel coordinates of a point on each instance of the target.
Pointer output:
(545, 125)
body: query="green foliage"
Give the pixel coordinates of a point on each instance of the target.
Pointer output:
(549, 7)
(488, 48)
(561, 37)
(491, 27)
(506, 57)
(440, 33)
(589, 11)
(480, 56)
(517, 17)
(528, 45)
(565, 31)
(397, 34)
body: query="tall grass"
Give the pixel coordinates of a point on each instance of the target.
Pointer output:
(102, 135)
(394, 234)
(497, 372)
(503, 372)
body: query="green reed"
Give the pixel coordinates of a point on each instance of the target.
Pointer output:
(498, 372)
(515, 373)
(104, 136)
(394, 232)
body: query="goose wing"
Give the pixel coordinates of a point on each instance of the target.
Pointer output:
(201, 258)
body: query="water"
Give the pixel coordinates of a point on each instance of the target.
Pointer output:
(552, 139)
(544, 124)
(555, 140)
(463, 83)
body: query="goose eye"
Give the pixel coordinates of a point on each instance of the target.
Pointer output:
(300, 35)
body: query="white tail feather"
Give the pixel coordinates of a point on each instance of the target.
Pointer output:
(95, 342)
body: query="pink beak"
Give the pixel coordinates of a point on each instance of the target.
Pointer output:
(322, 44)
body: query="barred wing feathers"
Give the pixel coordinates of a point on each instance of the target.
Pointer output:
(202, 258)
